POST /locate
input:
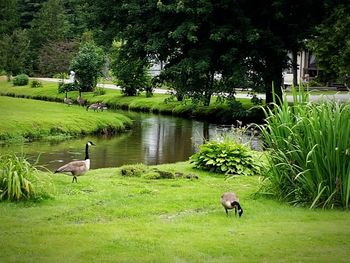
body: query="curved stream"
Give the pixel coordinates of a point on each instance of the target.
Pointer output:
(154, 139)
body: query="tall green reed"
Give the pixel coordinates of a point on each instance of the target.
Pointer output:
(19, 180)
(309, 151)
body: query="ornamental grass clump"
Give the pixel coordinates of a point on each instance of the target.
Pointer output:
(19, 180)
(226, 156)
(309, 152)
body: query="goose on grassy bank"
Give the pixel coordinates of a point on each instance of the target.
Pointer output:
(77, 168)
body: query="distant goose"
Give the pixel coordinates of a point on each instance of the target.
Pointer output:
(230, 201)
(68, 101)
(77, 168)
(81, 101)
(94, 107)
(102, 106)
(97, 106)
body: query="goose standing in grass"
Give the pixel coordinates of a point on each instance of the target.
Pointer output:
(81, 101)
(94, 106)
(102, 106)
(231, 201)
(67, 100)
(77, 168)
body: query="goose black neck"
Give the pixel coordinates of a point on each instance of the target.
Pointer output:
(86, 151)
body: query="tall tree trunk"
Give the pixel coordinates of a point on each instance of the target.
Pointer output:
(295, 67)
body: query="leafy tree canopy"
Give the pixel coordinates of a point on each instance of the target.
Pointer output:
(88, 65)
(332, 46)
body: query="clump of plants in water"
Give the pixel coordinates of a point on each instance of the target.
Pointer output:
(228, 155)
(309, 152)
(19, 180)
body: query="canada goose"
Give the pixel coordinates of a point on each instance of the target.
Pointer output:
(77, 168)
(230, 201)
(94, 107)
(81, 101)
(68, 101)
(102, 106)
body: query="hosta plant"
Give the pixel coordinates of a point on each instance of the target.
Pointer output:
(226, 157)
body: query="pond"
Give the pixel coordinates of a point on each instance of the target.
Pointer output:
(153, 139)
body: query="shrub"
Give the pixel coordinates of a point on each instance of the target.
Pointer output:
(99, 91)
(134, 170)
(67, 87)
(88, 65)
(36, 84)
(19, 180)
(20, 80)
(309, 152)
(226, 157)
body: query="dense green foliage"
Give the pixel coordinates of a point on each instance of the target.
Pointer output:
(131, 73)
(14, 52)
(36, 84)
(206, 48)
(332, 46)
(88, 65)
(19, 180)
(20, 80)
(209, 47)
(226, 156)
(309, 152)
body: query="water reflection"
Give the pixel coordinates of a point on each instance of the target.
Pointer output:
(154, 139)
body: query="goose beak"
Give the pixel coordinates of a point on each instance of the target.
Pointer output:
(91, 143)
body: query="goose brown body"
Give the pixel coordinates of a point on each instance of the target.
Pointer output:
(77, 168)
(230, 201)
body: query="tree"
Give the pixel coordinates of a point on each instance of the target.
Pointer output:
(55, 57)
(332, 46)
(28, 10)
(131, 73)
(49, 24)
(9, 16)
(199, 40)
(14, 52)
(88, 65)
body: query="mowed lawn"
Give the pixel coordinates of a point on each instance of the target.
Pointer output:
(33, 119)
(109, 218)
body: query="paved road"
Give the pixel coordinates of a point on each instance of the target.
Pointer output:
(341, 97)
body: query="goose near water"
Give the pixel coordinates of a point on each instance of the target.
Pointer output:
(77, 168)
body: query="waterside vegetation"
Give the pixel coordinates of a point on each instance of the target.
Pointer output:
(309, 152)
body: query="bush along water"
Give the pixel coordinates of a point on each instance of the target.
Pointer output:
(19, 180)
(227, 155)
(309, 152)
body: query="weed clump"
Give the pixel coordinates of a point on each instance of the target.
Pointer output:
(134, 170)
(19, 180)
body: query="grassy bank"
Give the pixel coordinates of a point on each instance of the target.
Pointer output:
(109, 218)
(216, 112)
(23, 119)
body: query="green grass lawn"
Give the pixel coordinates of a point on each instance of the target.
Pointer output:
(109, 218)
(33, 119)
(218, 112)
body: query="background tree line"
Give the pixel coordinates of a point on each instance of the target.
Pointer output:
(206, 47)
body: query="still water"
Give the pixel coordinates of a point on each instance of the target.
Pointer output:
(153, 139)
